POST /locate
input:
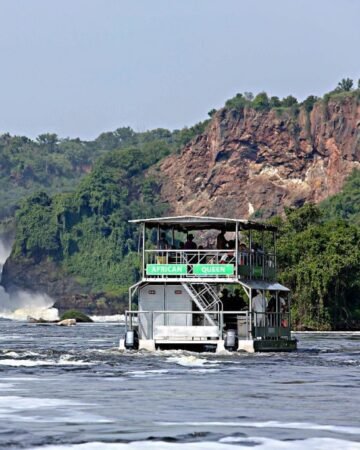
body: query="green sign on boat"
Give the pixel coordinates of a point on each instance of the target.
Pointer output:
(213, 269)
(166, 269)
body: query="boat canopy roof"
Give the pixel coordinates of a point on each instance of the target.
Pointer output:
(186, 223)
(264, 285)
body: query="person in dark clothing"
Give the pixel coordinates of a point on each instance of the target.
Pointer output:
(221, 242)
(190, 244)
(163, 243)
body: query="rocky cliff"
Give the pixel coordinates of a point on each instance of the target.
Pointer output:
(79, 248)
(257, 162)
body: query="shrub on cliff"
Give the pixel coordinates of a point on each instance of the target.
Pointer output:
(238, 102)
(346, 84)
(261, 101)
(288, 101)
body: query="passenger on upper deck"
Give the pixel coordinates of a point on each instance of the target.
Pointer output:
(163, 243)
(221, 242)
(230, 254)
(190, 244)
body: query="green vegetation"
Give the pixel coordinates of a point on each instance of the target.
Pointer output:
(56, 165)
(78, 315)
(346, 84)
(346, 204)
(319, 260)
(86, 231)
(262, 102)
(81, 222)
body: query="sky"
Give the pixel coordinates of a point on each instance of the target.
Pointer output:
(81, 67)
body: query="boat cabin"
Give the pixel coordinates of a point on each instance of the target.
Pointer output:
(208, 283)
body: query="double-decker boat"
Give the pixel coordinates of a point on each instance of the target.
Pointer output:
(215, 296)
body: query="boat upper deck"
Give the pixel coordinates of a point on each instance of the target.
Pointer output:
(165, 257)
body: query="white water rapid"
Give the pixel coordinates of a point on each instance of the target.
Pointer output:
(19, 305)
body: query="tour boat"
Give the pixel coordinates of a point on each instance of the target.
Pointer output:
(194, 295)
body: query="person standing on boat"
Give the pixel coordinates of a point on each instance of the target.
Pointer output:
(162, 245)
(221, 242)
(258, 306)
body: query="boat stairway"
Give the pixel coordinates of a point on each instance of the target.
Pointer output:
(206, 299)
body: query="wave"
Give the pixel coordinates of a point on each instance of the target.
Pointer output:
(113, 318)
(191, 361)
(259, 443)
(146, 373)
(271, 424)
(63, 361)
(64, 410)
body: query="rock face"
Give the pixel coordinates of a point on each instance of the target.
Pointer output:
(259, 162)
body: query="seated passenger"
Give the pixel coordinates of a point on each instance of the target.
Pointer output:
(229, 256)
(190, 244)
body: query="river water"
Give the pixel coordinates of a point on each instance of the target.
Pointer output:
(66, 388)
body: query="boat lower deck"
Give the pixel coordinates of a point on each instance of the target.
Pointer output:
(216, 345)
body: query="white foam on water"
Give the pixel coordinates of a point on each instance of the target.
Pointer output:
(14, 407)
(12, 355)
(204, 370)
(20, 305)
(25, 363)
(258, 443)
(14, 403)
(113, 318)
(310, 443)
(271, 424)
(6, 387)
(191, 361)
(63, 361)
(146, 373)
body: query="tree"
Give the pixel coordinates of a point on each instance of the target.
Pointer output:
(212, 112)
(289, 101)
(249, 96)
(49, 140)
(309, 102)
(345, 85)
(238, 102)
(275, 102)
(261, 101)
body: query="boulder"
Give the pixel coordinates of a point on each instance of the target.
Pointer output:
(67, 322)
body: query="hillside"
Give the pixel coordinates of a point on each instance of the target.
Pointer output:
(53, 165)
(257, 161)
(254, 157)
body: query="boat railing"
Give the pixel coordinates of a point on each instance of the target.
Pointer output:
(271, 324)
(188, 325)
(208, 263)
